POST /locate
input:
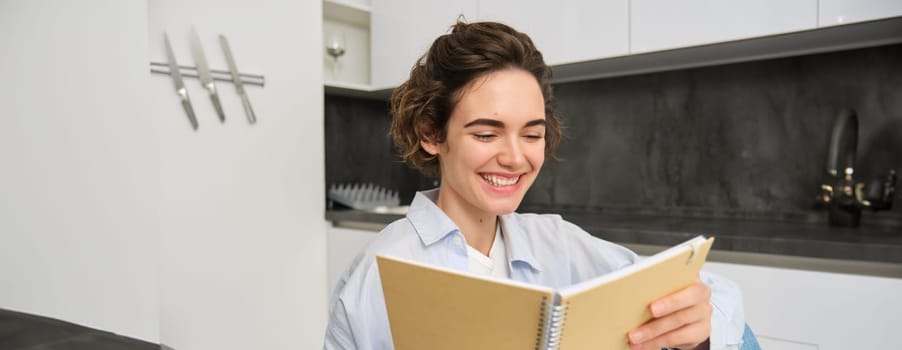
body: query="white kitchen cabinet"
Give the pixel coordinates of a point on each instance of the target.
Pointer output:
(346, 25)
(795, 309)
(402, 30)
(837, 12)
(353, 67)
(566, 31)
(597, 39)
(361, 4)
(663, 24)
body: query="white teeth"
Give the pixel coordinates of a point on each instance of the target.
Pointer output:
(500, 181)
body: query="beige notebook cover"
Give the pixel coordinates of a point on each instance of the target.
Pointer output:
(431, 307)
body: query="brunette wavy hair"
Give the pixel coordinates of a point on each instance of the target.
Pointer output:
(421, 106)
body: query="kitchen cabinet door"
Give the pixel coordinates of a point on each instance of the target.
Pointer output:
(798, 309)
(663, 24)
(402, 30)
(566, 31)
(837, 12)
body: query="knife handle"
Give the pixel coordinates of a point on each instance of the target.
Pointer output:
(248, 110)
(218, 107)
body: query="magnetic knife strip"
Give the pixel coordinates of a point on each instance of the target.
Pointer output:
(207, 77)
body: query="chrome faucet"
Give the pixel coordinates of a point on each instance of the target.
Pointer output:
(841, 194)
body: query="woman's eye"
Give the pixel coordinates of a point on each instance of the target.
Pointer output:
(484, 137)
(533, 138)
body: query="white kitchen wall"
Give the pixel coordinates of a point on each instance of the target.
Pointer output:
(242, 213)
(115, 215)
(79, 166)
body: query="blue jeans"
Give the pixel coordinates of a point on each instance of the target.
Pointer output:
(749, 342)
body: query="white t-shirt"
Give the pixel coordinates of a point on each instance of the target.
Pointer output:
(493, 265)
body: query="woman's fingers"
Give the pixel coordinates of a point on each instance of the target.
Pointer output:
(687, 337)
(695, 293)
(682, 319)
(671, 322)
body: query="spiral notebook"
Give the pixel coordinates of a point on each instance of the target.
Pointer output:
(432, 307)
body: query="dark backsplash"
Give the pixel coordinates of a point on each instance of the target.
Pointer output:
(740, 138)
(359, 150)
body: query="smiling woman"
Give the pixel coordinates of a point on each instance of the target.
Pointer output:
(492, 152)
(422, 105)
(477, 112)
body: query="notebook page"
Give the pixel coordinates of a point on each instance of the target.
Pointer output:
(651, 260)
(432, 307)
(599, 317)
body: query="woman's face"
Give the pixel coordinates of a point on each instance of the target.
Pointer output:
(494, 145)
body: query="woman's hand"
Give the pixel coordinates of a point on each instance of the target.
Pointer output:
(681, 320)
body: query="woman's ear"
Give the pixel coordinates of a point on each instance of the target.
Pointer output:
(428, 136)
(430, 147)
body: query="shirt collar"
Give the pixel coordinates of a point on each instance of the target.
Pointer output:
(428, 220)
(432, 224)
(518, 247)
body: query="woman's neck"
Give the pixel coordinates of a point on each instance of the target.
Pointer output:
(477, 226)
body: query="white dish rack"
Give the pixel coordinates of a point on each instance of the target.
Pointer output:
(365, 197)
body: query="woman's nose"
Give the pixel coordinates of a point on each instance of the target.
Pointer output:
(511, 155)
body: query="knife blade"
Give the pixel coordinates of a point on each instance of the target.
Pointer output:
(204, 73)
(236, 79)
(179, 83)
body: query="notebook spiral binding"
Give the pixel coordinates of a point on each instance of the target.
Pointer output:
(550, 332)
(541, 332)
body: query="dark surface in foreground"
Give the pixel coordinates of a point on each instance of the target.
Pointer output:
(21, 331)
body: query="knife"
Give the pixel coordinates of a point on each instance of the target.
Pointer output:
(179, 84)
(236, 79)
(204, 73)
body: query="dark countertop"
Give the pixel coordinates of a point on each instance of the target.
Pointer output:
(870, 242)
(26, 331)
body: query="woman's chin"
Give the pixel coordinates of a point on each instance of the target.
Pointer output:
(503, 203)
(504, 208)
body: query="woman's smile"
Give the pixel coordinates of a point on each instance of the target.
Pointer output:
(501, 180)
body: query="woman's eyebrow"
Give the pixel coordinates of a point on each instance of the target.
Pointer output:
(499, 124)
(536, 122)
(487, 122)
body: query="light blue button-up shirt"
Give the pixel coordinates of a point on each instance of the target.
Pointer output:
(542, 249)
